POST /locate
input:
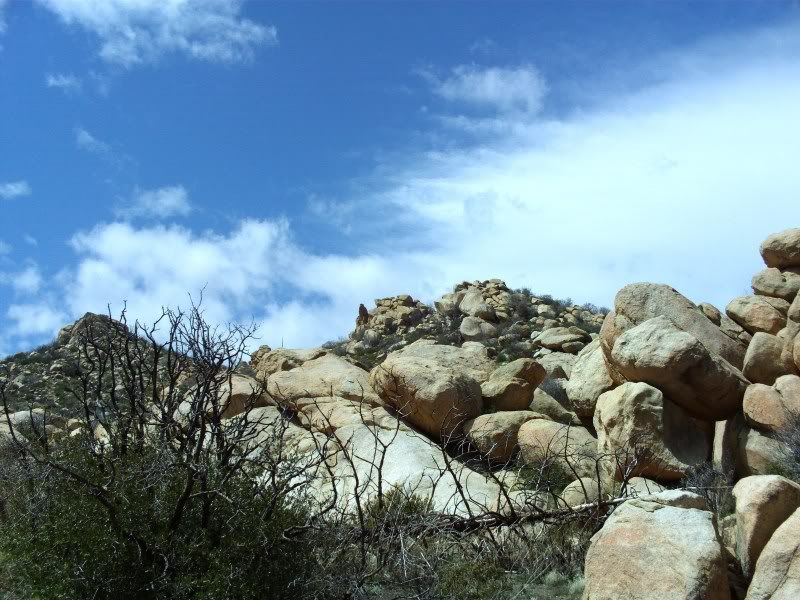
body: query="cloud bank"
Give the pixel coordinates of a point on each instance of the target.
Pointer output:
(675, 181)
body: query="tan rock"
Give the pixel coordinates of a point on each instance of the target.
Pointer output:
(659, 353)
(759, 453)
(544, 403)
(556, 338)
(763, 502)
(652, 550)
(759, 313)
(327, 376)
(557, 365)
(495, 434)
(727, 436)
(778, 284)
(573, 449)
(589, 378)
(782, 249)
(581, 491)
(434, 387)
(711, 311)
(266, 361)
(474, 305)
(511, 386)
(777, 572)
(475, 329)
(639, 302)
(764, 361)
(773, 408)
(635, 418)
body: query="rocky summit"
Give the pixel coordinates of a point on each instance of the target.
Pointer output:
(665, 431)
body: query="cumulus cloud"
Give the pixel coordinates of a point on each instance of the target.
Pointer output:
(160, 203)
(26, 281)
(65, 82)
(34, 319)
(132, 32)
(505, 89)
(676, 182)
(14, 189)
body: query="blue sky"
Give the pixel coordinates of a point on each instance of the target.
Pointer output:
(296, 158)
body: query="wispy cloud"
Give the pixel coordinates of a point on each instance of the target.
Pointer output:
(65, 82)
(513, 89)
(86, 141)
(133, 32)
(4, 248)
(3, 5)
(26, 281)
(160, 203)
(14, 189)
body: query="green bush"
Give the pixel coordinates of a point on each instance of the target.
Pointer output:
(59, 541)
(465, 578)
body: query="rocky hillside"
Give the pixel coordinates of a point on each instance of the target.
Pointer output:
(676, 423)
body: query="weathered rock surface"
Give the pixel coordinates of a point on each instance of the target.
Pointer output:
(545, 404)
(758, 452)
(557, 365)
(763, 502)
(511, 386)
(777, 572)
(782, 249)
(434, 387)
(327, 376)
(495, 434)
(773, 408)
(776, 283)
(636, 415)
(659, 353)
(475, 329)
(759, 313)
(639, 302)
(581, 491)
(764, 361)
(562, 339)
(473, 305)
(572, 448)
(651, 550)
(589, 378)
(266, 361)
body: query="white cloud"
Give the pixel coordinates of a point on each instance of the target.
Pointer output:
(64, 81)
(3, 4)
(514, 89)
(139, 31)
(675, 182)
(30, 240)
(34, 319)
(86, 141)
(14, 189)
(4, 248)
(27, 281)
(160, 203)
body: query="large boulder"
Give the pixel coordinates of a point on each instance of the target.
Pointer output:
(543, 403)
(475, 329)
(327, 376)
(763, 502)
(561, 339)
(570, 448)
(777, 572)
(410, 462)
(791, 335)
(773, 408)
(473, 305)
(758, 453)
(776, 283)
(639, 302)
(635, 419)
(266, 361)
(511, 386)
(759, 313)
(782, 250)
(495, 434)
(434, 387)
(589, 378)
(557, 365)
(765, 361)
(659, 547)
(675, 361)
